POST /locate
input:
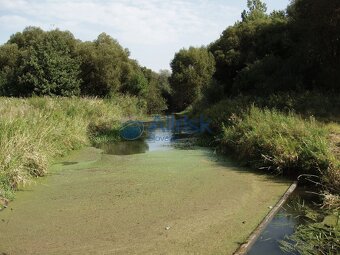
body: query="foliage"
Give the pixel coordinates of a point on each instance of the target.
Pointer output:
(266, 53)
(315, 32)
(245, 53)
(310, 103)
(36, 131)
(223, 112)
(164, 85)
(154, 91)
(35, 62)
(192, 70)
(163, 79)
(54, 63)
(137, 84)
(257, 9)
(285, 143)
(105, 66)
(9, 54)
(314, 239)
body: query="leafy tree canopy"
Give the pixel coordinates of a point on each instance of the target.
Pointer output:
(192, 70)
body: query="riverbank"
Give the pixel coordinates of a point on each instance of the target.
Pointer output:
(35, 132)
(264, 139)
(275, 140)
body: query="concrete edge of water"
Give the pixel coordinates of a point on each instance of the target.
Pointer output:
(246, 246)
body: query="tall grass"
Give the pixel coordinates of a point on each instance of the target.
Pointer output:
(266, 134)
(286, 143)
(36, 131)
(284, 136)
(322, 106)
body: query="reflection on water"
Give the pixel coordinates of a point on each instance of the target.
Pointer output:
(67, 163)
(160, 139)
(153, 139)
(124, 147)
(282, 225)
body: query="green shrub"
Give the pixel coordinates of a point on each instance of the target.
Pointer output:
(320, 105)
(268, 139)
(224, 111)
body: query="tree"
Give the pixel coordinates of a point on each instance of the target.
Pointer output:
(153, 93)
(256, 9)
(35, 62)
(241, 49)
(30, 36)
(9, 54)
(138, 84)
(45, 65)
(104, 66)
(163, 81)
(192, 70)
(315, 31)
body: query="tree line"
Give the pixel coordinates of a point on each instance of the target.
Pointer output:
(54, 63)
(264, 53)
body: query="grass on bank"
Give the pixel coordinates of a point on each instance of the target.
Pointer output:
(321, 231)
(278, 141)
(285, 143)
(280, 134)
(36, 131)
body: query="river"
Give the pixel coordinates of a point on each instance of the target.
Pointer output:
(151, 196)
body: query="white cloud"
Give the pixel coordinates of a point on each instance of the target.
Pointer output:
(13, 21)
(152, 23)
(143, 21)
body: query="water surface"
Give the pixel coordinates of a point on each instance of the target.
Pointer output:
(139, 197)
(283, 224)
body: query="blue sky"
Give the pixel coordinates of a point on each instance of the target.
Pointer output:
(153, 30)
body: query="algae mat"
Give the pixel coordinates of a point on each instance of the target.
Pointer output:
(165, 202)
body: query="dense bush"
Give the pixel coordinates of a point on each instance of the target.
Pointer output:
(323, 106)
(223, 112)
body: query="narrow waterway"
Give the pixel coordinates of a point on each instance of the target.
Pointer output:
(155, 195)
(282, 225)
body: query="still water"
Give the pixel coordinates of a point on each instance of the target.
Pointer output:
(281, 226)
(163, 139)
(155, 139)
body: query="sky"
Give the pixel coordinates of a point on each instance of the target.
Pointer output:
(153, 30)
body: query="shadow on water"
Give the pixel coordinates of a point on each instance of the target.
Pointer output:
(283, 224)
(124, 147)
(67, 163)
